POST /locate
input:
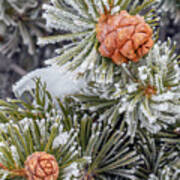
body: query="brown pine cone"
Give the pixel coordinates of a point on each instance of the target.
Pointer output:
(124, 37)
(41, 166)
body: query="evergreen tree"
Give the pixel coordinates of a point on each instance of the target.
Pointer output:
(107, 107)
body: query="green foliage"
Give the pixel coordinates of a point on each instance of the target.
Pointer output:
(80, 142)
(36, 104)
(155, 156)
(109, 149)
(170, 137)
(105, 150)
(127, 128)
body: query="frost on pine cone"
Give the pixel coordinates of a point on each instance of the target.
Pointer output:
(78, 19)
(41, 165)
(123, 37)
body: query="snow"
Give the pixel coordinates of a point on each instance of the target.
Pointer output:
(71, 170)
(59, 82)
(61, 139)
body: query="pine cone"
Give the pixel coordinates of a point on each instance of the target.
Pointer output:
(41, 166)
(124, 37)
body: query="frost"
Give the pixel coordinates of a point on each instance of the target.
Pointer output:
(165, 96)
(91, 9)
(61, 139)
(25, 123)
(71, 170)
(22, 5)
(123, 108)
(2, 144)
(143, 72)
(151, 118)
(60, 38)
(4, 127)
(99, 4)
(78, 7)
(42, 126)
(153, 177)
(132, 87)
(88, 159)
(15, 154)
(115, 10)
(5, 174)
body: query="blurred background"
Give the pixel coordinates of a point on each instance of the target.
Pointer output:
(22, 23)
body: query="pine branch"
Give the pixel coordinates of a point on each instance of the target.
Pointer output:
(108, 149)
(79, 20)
(36, 104)
(23, 17)
(151, 102)
(157, 158)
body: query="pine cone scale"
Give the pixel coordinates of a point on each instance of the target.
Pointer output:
(123, 37)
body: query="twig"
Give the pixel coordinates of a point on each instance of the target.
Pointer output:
(18, 69)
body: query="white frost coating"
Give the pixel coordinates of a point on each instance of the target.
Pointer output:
(143, 72)
(71, 170)
(150, 117)
(2, 144)
(115, 10)
(42, 126)
(77, 6)
(61, 139)
(91, 9)
(165, 96)
(132, 87)
(15, 154)
(59, 82)
(87, 61)
(60, 23)
(88, 159)
(59, 12)
(99, 5)
(21, 6)
(4, 127)
(5, 174)
(25, 123)
(59, 38)
(106, 3)
(123, 108)
(80, 57)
